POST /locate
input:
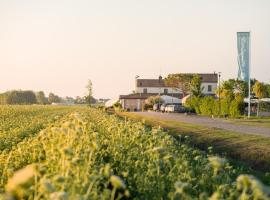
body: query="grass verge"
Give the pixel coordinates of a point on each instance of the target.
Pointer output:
(252, 150)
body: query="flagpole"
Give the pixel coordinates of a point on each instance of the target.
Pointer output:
(249, 75)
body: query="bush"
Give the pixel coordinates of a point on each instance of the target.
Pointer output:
(193, 104)
(148, 107)
(207, 105)
(210, 106)
(237, 107)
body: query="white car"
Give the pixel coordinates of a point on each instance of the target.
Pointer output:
(174, 108)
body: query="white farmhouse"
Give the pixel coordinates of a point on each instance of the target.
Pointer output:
(145, 88)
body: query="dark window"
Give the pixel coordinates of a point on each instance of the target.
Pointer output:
(140, 83)
(145, 90)
(209, 88)
(165, 91)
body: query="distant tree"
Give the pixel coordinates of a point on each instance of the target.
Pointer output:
(90, 100)
(179, 81)
(41, 98)
(196, 86)
(20, 97)
(89, 97)
(3, 98)
(52, 98)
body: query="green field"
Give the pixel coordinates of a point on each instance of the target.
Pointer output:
(85, 153)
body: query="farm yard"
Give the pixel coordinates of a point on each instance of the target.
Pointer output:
(84, 153)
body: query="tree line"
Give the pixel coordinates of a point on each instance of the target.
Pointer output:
(31, 97)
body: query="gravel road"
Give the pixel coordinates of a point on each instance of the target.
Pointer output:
(209, 122)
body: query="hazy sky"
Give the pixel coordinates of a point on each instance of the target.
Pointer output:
(57, 45)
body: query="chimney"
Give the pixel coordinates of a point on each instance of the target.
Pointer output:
(160, 78)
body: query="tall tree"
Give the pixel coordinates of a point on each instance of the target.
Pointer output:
(89, 87)
(196, 86)
(41, 98)
(179, 81)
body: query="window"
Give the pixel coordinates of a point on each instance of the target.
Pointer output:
(140, 83)
(145, 90)
(165, 91)
(209, 88)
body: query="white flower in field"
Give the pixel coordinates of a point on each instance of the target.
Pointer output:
(21, 177)
(158, 149)
(117, 182)
(59, 196)
(180, 186)
(249, 182)
(217, 163)
(215, 196)
(107, 170)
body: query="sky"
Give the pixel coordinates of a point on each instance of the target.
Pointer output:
(57, 45)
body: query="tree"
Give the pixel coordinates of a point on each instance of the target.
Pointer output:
(153, 100)
(260, 90)
(54, 98)
(20, 97)
(179, 81)
(89, 97)
(196, 86)
(232, 88)
(41, 98)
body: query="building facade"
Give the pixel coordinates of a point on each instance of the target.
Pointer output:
(145, 88)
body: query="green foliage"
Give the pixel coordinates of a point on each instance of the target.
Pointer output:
(193, 104)
(208, 106)
(196, 86)
(88, 154)
(179, 81)
(41, 98)
(54, 98)
(18, 97)
(233, 87)
(237, 107)
(260, 90)
(153, 100)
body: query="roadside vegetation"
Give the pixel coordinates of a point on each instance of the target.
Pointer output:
(252, 150)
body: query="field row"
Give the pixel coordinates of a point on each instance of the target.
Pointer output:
(92, 155)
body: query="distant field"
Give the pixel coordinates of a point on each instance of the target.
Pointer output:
(84, 153)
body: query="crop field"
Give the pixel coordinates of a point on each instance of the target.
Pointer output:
(84, 153)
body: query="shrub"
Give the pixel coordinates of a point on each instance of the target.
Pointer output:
(237, 107)
(207, 105)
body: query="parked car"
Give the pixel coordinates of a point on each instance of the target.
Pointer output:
(162, 107)
(156, 107)
(175, 108)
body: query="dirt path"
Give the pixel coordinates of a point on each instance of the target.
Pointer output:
(209, 122)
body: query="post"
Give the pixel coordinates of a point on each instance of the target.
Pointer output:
(219, 103)
(249, 74)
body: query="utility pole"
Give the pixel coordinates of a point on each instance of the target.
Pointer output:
(219, 103)
(249, 52)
